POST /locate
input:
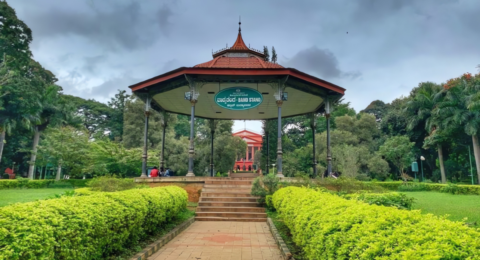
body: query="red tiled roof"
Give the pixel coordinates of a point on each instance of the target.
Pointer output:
(251, 62)
(239, 43)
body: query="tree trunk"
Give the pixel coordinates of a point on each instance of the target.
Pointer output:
(440, 160)
(2, 140)
(59, 171)
(476, 152)
(33, 157)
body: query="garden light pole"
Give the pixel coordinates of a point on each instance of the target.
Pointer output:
(421, 165)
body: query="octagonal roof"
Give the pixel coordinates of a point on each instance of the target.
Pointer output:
(238, 66)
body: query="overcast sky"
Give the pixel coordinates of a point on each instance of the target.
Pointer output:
(376, 49)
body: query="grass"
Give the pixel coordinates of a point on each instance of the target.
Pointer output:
(457, 207)
(12, 196)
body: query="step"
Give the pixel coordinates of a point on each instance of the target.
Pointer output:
(230, 219)
(227, 186)
(229, 182)
(231, 209)
(227, 204)
(228, 199)
(226, 194)
(226, 190)
(251, 175)
(232, 214)
(241, 178)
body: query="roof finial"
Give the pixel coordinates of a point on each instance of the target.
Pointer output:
(239, 24)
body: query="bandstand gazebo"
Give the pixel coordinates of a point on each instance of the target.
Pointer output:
(237, 84)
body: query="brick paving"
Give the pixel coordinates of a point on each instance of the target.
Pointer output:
(212, 240)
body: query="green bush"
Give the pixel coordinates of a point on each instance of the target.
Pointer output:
(269, 202)
(390, 199)
(86, 227)
(6, 176)
(24, 183)
(110, 184)
(349, 185)
(422, 186)
(413, 186)
(84, 192)
(326, 226)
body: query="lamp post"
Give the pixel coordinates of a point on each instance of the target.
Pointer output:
(421, 165)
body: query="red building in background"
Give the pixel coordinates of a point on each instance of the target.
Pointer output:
(254, 145)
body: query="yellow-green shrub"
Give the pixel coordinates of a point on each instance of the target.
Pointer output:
(86, 227)
(327, 226)
(84, 192)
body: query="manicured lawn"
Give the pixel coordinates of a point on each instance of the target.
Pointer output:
(457, 206)
(25, 195)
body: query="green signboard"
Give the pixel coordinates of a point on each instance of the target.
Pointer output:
(238, 98)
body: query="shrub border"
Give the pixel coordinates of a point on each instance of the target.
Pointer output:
(155, 246)
(283, 247)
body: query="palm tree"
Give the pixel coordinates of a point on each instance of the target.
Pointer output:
(421, 107)
(50, 108)
(454, 110)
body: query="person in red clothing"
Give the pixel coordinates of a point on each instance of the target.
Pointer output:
(154, 172)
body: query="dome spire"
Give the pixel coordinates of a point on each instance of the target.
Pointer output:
(239, 24)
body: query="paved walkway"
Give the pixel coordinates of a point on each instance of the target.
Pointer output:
(219, 240)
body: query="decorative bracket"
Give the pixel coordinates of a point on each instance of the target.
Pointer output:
(195, 86)
(279, 87)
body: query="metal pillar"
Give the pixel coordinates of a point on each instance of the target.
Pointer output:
(268, 148)
(279, 144)
(191, 150)
(162, 156)
(212, 131)
(329, 150)
(313, 125)
(145, 138)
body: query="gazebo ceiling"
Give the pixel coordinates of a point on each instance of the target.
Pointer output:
(238, 67)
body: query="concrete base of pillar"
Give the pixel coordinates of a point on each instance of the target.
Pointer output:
(190, 174)
(143, 176)
(280, 175)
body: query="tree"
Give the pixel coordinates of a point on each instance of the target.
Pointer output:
(421, 120)
(95, 116)
(376, 108)
(50, 108)
(454, 110)
(117, 104)
(378, 168)
(274, 55)
(15, 38)
(398, 150)
(67, 148)
(265, 52)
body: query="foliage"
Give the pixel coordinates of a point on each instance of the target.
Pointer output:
(86, 227)
(110, 184)
(269, 202)
(327, 226)
(389, 199)
(349, 185)
(378, 168)
(416, 186)
(398, 150)
(24, 183)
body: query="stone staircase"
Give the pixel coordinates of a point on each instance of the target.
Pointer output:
(229, 199)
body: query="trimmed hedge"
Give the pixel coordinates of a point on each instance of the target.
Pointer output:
(39, 184)
(86, 227)
(389, 199)
(327, 226)
(414, 186)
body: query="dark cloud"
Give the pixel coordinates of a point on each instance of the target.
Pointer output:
(111, 86)
(120, 26)
(320, 62)
(91, 63)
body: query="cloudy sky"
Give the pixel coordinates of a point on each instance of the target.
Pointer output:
(376, 49)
